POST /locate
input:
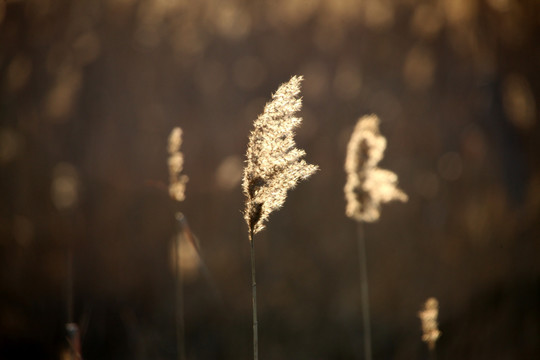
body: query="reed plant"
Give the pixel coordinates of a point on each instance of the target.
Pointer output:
(367, 187)
(177, 188)
(273, 166)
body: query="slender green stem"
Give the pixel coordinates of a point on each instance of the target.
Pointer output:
(254, 299)
(364, 290)
(179, 293)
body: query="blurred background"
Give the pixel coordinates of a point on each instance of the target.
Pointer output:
(90, 90)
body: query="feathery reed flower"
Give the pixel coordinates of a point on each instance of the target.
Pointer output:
(274, 164)
(177, 181)
(428, 316)
(368, 185)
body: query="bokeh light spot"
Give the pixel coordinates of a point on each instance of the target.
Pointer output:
(65, 186)
(499, 5)
(10, 145)
(291, 12)
(61, 97)
(427, 21)
(419, 68)
(229, 172)
(231, 21)
(347, 81)
(379, 14)
(459, 11)
(86, 48)
(518, 101)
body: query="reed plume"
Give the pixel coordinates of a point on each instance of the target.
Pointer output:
(430, 328)
(273, 166)
(177, 181)
(177, 189)
(366, 188)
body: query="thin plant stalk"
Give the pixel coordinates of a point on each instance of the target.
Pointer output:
(179, 294)
(65, 176)
(364, 290)
(72, 330)
(254, 299)
(69, 291)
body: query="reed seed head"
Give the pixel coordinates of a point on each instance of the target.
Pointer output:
(367, 185)
(177, 181)
(273, 163)
(428, 316)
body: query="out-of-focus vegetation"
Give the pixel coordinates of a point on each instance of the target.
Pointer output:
(90, 89)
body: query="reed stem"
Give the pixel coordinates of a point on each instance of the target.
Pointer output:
(364, 290)
(179, 293)
(69, 290)
(254, 299)
(70, 328)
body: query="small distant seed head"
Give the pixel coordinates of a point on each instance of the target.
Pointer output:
(177, 181)
(430, 328)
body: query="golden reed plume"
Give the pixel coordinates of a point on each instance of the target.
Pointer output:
(368, 185)
(428, 316)
(177, 181)
(274, 164)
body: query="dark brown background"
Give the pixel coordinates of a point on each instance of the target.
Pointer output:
(100, 84)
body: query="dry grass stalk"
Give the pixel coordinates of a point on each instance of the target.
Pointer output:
(274, 164)
(430, 328)
(177, 181)
(368, 185)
